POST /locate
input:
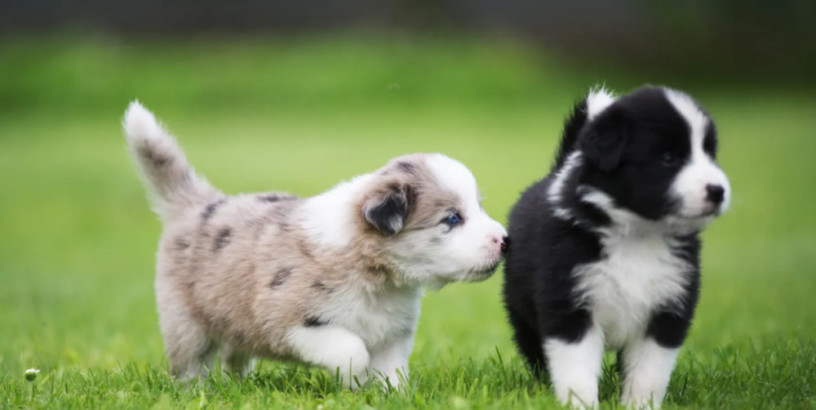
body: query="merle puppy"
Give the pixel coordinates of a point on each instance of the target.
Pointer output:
(606, 248)
(334, 280)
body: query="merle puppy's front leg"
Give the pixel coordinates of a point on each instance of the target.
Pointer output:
(335, 348)
(390, 361)
(575, 367)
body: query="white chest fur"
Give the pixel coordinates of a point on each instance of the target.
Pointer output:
(636, 276)
(377, 319)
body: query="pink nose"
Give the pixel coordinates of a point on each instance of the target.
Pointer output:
(503, 242)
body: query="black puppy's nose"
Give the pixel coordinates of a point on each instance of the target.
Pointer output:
(505, 244)
(715, 193)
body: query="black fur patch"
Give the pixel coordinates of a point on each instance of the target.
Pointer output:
(319, 285)
(280, 214)
(670, 326)
(280, 276)
(274, 197)
(222, 239)
(389, 215)
(269, 198)
(314, 321)
(573, 126)
(624, 148)
(209, 211)
(181, 244)
(406, 167)
(305, 250)
(154, 158)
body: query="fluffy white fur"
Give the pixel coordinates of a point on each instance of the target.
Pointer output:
(639, 273)
(598, 100)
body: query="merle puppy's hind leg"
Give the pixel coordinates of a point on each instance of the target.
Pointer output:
(189, 351)
(528, 341)
(235, 362)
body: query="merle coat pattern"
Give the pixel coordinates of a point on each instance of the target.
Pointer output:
(334, 280)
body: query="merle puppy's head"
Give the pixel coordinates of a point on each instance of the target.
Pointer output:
(425, 214)
(649, 155)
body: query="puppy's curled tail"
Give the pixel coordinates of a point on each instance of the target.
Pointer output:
(170, 179)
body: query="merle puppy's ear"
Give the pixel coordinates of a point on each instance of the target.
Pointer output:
(387, 207)
(604, 140)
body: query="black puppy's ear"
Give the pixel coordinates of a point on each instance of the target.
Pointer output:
(387, 207)
(604, 140)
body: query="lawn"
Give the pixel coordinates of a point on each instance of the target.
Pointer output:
(77, 239)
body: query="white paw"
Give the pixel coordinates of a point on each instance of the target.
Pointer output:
(641, 400)
(585, 397)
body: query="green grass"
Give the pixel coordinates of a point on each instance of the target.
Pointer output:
(77, 239)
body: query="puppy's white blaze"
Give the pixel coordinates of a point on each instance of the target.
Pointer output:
(454, 176)
(687, 108)
(700, 171)
(556, 189)
(646, 373)
(575, 368)
(598, 100)
(326, 217)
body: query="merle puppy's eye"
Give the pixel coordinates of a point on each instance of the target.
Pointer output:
(669, 159)
(453, 219)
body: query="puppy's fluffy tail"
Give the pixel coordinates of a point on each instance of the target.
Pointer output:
(170, 179)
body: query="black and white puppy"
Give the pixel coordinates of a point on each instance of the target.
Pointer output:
(606, 248)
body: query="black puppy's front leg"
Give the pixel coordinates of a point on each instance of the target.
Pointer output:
(648, 362)
(574, 349)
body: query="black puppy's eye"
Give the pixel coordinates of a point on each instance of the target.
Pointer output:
(453, 219)
(669, 159)
(710, 147)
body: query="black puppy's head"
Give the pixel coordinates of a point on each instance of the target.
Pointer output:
(650, 154)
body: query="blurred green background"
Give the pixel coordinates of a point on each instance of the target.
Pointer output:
(301, 108)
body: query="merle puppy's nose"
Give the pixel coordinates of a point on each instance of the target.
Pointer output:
(715, 193)
(505, 244)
